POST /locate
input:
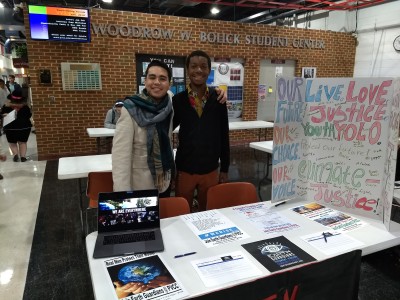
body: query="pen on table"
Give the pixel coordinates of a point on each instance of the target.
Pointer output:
(324, 234)
(185, 254)
(280, 203)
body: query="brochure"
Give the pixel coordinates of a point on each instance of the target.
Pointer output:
(278, 253)
(265, 219)
(332, 242)
(213, 228)
(143, 276)
(221, 269)
(329, 217)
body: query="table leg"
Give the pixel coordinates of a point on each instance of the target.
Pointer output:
(81, 207)
(98, 145)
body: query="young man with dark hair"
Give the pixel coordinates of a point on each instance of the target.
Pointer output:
(203, 134)
(11, 84)
(113, 114)
(142, 155)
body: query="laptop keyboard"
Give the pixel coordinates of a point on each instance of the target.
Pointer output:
(129, 238)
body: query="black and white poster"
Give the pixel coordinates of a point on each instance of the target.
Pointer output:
(175, 63)
(278, 253)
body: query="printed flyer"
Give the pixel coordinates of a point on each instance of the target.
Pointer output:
(278, 253)
(221, 269)
(143, 276)
(264, 219)
(329, 217)
(213, 228)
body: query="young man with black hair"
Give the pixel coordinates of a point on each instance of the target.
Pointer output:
(203, 134)
(113, 114)
(11, 84)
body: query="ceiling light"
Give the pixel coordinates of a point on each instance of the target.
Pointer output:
(107, 1)
(1, 4)
(215, 10)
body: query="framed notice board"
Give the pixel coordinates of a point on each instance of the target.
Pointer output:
(175, 63)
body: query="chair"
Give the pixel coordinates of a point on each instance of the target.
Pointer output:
(231, 194)
(97, 182)
(173, 206)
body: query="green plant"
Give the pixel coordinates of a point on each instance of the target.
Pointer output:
(21, 50)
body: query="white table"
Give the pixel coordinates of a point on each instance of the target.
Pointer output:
(78, 167)
(100, 133)
(178, 238)
(242, 125)
(245, 125)
(264, 146)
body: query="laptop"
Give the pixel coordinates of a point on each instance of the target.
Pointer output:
(128, 223)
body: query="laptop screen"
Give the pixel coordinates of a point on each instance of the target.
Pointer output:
(121, 211)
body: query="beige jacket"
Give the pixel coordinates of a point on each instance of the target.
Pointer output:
(129, 156)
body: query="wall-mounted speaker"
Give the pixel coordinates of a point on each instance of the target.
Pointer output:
(44, 77)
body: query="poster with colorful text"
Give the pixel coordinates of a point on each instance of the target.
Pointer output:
(335, 142)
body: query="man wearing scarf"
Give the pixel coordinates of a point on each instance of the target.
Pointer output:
(142, 155)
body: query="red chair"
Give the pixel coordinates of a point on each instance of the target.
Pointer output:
(173, 206)
(97, 182)
(231, 194)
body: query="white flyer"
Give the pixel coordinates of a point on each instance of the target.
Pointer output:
(332, 242)
(224, 268)
(265, 219)
(213, 228)
(10, 117)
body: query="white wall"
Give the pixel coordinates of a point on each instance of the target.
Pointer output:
(7, 68)
(375, 27)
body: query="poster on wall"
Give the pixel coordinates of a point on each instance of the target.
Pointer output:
(175, 63)
(229, 76)
(262, 92)
(308, 72)
(335, 143)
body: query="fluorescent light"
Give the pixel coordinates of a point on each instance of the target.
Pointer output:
(215, 10)
(107, 1)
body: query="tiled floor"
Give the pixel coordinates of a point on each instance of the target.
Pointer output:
(19, 193)
(57, 267)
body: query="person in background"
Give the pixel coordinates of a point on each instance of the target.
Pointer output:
(3, 93)
(11, 84)
(113, 114)
(142, 152)
(17, 131)
(203, 134)
(3, 157)
(3, 99)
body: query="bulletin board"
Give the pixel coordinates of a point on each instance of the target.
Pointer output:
(335, 143)
(229, 76)
(175, 63)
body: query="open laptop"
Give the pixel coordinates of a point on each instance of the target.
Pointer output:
(128, 223)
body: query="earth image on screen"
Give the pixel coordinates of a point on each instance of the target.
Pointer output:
(136, 272)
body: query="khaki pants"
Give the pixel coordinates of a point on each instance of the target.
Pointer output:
(186, 184)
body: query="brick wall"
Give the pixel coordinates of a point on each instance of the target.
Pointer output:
(61, 124)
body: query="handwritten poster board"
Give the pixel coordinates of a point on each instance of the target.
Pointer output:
(335, 142)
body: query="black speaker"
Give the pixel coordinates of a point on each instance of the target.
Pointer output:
(45, 76)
